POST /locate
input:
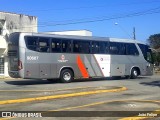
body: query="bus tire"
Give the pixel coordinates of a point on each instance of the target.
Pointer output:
(66, 76)
(134, 73)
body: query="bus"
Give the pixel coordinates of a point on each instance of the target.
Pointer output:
(49, 56)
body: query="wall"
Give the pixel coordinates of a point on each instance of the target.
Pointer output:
(18, 22)
(73, 32)
(9, 23)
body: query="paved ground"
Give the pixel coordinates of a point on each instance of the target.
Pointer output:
(83, 99)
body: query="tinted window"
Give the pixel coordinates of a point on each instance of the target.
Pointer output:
(114, 48)
(117, 48)
(81, 47)
(39, 44)
(103, 47)
(107, 47)
(143, 49)
(32, 43)
(56, 45)
(44, 45)
(95, 47)
(131, 49)
(122, 50)
(66, 46)
(146, 52)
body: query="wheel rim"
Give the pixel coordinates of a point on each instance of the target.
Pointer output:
(135, 73)
(67, 76)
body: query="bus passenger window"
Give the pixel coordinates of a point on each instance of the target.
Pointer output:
(44, 45)
(131, 49)
(81, 46)
(85, 47)
(114, 48)
(122, 49)
(102, 47)
(31, 43)
(95, 47)
(66, 46)
(56, 45)
(75, 47)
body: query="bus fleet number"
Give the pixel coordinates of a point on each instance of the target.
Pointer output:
(32, 57)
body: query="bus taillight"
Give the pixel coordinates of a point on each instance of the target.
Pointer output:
(20, 65)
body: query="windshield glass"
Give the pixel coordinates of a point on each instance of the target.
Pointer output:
(149, 56)
(147, 53)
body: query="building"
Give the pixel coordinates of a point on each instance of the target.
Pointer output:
(73, 32)
(11, 22)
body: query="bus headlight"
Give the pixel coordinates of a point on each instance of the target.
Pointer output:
(148, 65)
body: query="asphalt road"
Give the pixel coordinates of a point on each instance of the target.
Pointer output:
(82, 99)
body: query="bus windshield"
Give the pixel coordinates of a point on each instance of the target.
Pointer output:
(147, 53)
(149, 56)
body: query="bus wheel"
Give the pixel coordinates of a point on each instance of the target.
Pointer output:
(66, 76)
(134, 73)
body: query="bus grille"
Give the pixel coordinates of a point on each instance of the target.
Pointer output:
(12, 53)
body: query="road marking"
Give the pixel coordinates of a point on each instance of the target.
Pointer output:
(61, 96)
(105, 102)
(5, 118)
(47, 90)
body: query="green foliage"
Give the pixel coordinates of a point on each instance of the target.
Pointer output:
(154, 41)
(156, 58)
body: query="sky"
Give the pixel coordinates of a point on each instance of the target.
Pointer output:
(104, 18)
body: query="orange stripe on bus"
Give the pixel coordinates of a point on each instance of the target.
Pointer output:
(81, 67)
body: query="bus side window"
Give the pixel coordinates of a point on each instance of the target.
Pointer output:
(56, 45)
(31, 43)
(102, 48)
(122, 49)
(44, 45)
(95, 47)
(81, 46)
(75, 47)
(114, 48)
(66, 46)
(84, 47)
(107, 47)
(131, 49)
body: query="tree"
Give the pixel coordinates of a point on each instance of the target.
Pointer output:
(154, 42)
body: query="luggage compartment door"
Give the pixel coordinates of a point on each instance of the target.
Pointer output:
(45, 71)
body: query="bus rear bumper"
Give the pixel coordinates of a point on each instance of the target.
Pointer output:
(14, 74)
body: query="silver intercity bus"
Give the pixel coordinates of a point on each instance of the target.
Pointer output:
(48, 56)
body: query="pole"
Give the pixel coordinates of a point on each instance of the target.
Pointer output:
(134, 33)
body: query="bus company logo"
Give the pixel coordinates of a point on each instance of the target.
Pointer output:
(101, 59)
(62, 59)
